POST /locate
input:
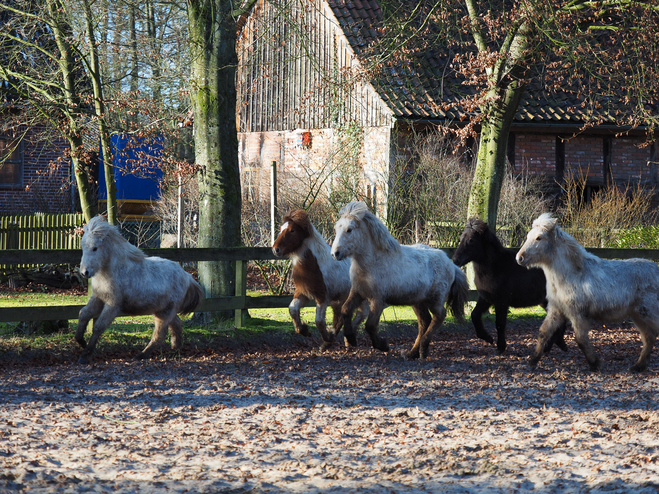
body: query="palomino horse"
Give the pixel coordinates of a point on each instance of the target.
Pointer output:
(387, 273)
(582, 287)
(500, 281)
(316, 275)
(127, 282)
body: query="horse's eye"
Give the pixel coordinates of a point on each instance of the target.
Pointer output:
(538, 239)
(348, 230)
(95, 249)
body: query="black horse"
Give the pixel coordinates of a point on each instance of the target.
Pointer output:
(500, 281)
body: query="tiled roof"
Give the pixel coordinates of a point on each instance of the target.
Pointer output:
(419, 90)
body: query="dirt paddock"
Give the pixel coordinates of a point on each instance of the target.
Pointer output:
(275, 417)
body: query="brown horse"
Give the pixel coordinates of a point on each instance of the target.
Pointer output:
(316, 275)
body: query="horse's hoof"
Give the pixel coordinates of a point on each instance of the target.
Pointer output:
(142, 356)
(351, 340)
(84, 359)
(326, 346)
(595, 366)
(636, 368)
(501, 350)
(486, 337)
(383, 346)
(411, 355)
(533, 362)
(304, 331)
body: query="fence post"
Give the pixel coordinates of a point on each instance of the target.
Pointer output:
(241, 292)
(273, 202)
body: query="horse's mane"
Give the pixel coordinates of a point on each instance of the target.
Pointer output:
(358, 211)
(319, 246)
(99, 229)
(574, 252)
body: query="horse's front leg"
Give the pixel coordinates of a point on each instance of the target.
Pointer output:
(353, 301)
(294, 308)
(321, 324)
(371, 326)
(90, 311)
(481, 308)
(553, 321)
(423, 319)
(100, 325)
(501, 318)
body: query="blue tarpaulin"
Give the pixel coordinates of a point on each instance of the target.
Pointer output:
(136, 168)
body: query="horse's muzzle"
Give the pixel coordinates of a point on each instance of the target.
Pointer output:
(521, 260)
(338, 255)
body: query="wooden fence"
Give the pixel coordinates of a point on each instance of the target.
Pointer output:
(239, 303)
(40, 231)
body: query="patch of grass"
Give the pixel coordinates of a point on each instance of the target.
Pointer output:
(129, 335)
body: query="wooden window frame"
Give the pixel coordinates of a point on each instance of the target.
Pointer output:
(20, 161)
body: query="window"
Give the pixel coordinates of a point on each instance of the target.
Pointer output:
(11, 162)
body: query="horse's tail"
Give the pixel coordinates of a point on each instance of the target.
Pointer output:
(458, 295)
(193, 298)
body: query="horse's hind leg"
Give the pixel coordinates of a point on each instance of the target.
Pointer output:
(321, 324)
(176, 332)
(501, 318)
(482, 306)
(649, 330)
(424, 319)
(159, 332)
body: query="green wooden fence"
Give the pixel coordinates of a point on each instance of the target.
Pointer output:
(239, 303)
(40, 231)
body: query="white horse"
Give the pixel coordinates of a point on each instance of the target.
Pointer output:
(127, 282)
(316, 276)
(386, 273)
(582, 287)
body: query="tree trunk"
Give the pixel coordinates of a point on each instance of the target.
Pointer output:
(213, 96)
(61, 31)
(507, 80)
(99, 107)
(491, 160)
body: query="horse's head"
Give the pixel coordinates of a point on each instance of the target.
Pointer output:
(472, 240)
(295, 230)
(94, 256)
(348, 230)
(357, 229)
(538, 247)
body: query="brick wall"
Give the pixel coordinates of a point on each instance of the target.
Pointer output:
(629, 161)
(46, 186)
(536, 154)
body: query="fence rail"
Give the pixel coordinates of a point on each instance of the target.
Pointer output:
(239, 303)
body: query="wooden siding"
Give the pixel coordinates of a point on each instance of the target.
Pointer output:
(297, 71)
